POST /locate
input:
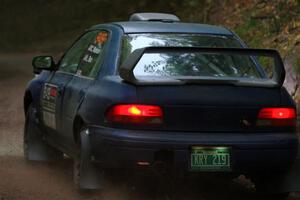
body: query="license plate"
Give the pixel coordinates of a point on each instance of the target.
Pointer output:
(210, 159)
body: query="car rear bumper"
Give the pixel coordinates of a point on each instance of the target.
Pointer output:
(118, 148)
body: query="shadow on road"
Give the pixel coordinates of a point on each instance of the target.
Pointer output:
(21, 179)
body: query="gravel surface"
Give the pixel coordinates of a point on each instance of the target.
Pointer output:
(32, 180)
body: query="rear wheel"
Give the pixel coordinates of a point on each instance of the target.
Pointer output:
(269, 187)
(34, 147)
(86, 175)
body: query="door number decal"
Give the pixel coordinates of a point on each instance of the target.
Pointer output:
(49, 105)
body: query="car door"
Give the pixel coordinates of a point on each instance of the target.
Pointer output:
(54, 89)
(76, 88)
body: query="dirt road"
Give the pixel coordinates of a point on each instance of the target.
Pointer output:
(22, 180)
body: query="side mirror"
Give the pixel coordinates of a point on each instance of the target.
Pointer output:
(40, 63)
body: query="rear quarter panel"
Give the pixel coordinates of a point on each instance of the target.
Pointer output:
(103, 94)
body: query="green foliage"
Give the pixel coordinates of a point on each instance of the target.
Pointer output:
(41, 25)
(298, 65)
(268, 64)
(195, 10)
(245, 29)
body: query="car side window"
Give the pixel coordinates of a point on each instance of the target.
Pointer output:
(71, 59)
(91, 60)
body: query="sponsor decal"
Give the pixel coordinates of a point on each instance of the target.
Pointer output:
(49, 119)
(92, 48)
(49, 105)
(88, 58)
(101, 37)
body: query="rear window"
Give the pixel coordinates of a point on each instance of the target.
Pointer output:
(132, 42)
(197, 64)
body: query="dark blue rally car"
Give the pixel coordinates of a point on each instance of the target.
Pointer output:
(155, 91)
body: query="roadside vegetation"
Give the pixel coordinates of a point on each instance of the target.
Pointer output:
(50, 26)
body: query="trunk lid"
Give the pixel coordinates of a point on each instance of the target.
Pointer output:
(205, 108)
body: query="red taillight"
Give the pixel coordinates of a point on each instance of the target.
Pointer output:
(277, 117)
(135, 114)
(277, 113)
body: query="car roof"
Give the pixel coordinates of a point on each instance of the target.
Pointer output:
(168, 27)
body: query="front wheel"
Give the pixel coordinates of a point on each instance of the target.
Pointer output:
(34, 147)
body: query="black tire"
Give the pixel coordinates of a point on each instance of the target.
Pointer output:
(34, 147)
(268, 187)
(86, 175)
